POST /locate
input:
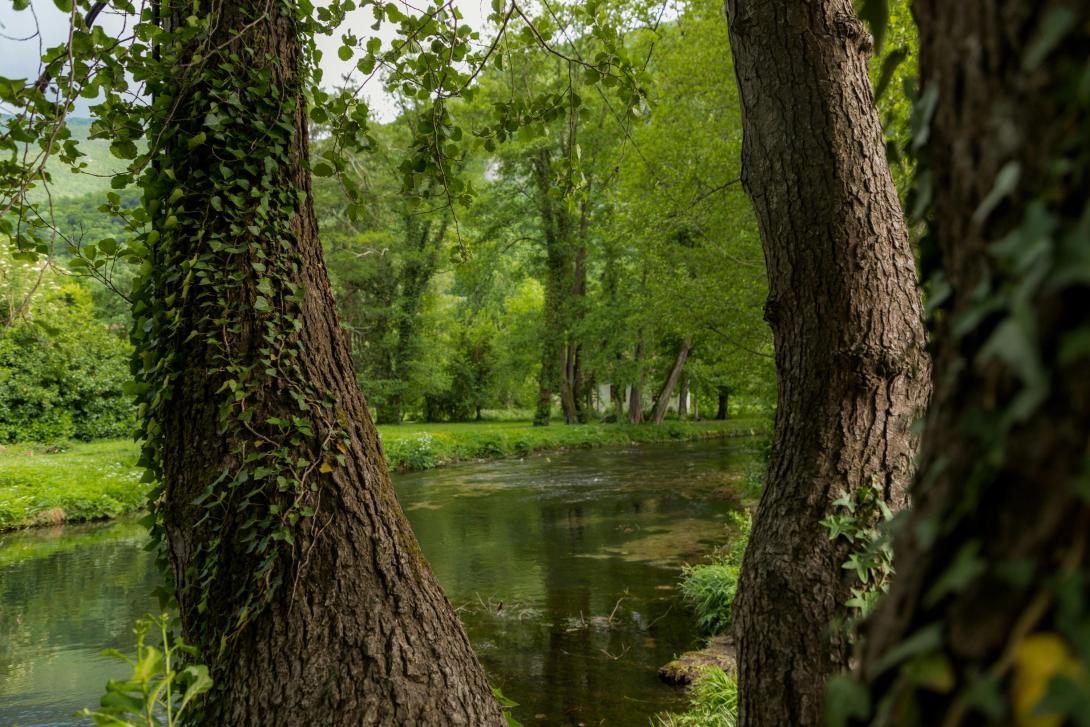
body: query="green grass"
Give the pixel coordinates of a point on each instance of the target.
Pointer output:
(714, 703)
(84, 482)
(100, 480)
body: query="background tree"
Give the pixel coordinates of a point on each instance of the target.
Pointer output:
(847, 322)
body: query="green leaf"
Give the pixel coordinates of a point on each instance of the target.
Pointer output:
(198, 682)
(845, 699)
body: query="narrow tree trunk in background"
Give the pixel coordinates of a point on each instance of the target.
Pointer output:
(616, 393)
(1001, 488)
(662, 401)
(723, 412)
(683, 396)
(359, 632)
(635, 392)
(568, 386)
(578, 308)
(846, 318)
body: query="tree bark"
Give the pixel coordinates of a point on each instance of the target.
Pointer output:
(846, 319)
(358, 630)
(662, 402)
(1001, 483)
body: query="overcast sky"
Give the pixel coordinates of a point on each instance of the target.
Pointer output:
(19, 55)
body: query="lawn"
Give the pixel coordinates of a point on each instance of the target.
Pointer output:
(42, 485)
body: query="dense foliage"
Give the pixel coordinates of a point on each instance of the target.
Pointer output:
(62, 371)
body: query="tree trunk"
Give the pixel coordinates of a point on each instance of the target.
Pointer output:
(683, 397)
(635, 393)
(569, 382)
(662, 402)
(348, 626)
(992, 563)
(846, 319)
(617, 395)
(556, 229)
(723, 412)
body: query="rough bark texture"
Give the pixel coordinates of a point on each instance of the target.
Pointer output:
(662, 402)
(846, 317)
(994, 490)
(360, 632)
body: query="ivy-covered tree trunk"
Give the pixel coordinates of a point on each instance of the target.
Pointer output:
(847, 324)
(297, 573)
(555, 224)
(990, 600)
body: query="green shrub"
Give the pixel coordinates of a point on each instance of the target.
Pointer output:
(62, 373)
(710, 588)
(714, 702)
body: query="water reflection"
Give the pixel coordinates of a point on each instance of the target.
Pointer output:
(562, 569)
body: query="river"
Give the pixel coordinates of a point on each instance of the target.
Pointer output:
(562, 567)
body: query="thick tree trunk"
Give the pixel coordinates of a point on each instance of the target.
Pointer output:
(992, 564)
(723, 412)
(355, 629)
(662, 401)
(846, 318)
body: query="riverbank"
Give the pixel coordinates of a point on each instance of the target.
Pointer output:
(49, 485)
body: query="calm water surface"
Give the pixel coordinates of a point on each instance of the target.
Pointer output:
(562, 568)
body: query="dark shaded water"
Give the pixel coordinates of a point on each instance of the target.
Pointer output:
(562, 568)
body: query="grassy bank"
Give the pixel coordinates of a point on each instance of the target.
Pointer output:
(89, 481)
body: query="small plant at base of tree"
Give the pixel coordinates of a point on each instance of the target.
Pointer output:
(156, 695)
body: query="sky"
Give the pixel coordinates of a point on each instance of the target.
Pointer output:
(19, 52)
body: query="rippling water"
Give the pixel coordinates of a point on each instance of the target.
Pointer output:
(562, 568)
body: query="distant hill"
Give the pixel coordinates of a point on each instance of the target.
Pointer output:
(95, 178)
